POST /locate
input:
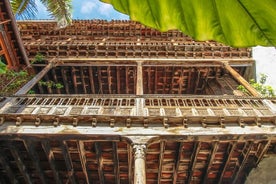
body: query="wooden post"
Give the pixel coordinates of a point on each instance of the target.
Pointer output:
(241, 80)
(139, 83)
(139, 163)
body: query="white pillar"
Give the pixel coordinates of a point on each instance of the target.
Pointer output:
(139, 163)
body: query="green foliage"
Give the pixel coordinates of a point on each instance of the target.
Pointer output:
(265, 90)
(3, 68)
(13, 81)
(38, 58)
(235, 23)
(51, 84)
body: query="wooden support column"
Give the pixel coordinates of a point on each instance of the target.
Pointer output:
(241, 80)
(139, 163)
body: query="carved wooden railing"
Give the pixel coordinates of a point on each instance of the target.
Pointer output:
(144, 110)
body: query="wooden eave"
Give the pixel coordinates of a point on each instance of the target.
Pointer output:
(10, 40)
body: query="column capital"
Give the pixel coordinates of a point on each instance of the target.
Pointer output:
(139, 151)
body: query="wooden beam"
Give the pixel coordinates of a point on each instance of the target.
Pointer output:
(91, 79)
(29, 145)
(241, 80)
(177, 161)
(51, 158)
(161, 157)
(197, 146)
(6, 165)
(99, 158)
(20, 164)
(85, 168)
(210, 160)
(116, 163)
(35, 80)
(68, 162)
(231, 147)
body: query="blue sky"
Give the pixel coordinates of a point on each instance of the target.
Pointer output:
(87, 9)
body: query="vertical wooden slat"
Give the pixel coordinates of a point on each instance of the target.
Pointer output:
(35, 159)
(91, 78)
(100, 162)
(155, 80)
(68, 162)
(21, 166)
(161, 157)
(177, 162)
(118, 79)
(181, 81)
(197, 82)
(210, 159)
(65, 80)
(55, 79)
(231, 147)
(85, 168)
(83, 80)
(196, 149)
(116, 163)
(50, 156)
(127, 79)
(74, 78)
(100, 80)
(109, 79)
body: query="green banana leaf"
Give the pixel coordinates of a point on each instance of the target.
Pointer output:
(238, 23)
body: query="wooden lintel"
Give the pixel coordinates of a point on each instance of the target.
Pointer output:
(241, 80)
(34, 80)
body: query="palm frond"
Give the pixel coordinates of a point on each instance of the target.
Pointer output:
(61, 10)
(24, 9)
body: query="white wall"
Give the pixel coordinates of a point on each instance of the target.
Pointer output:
(266, 63)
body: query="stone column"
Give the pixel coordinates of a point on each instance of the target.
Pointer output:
(139, 163)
